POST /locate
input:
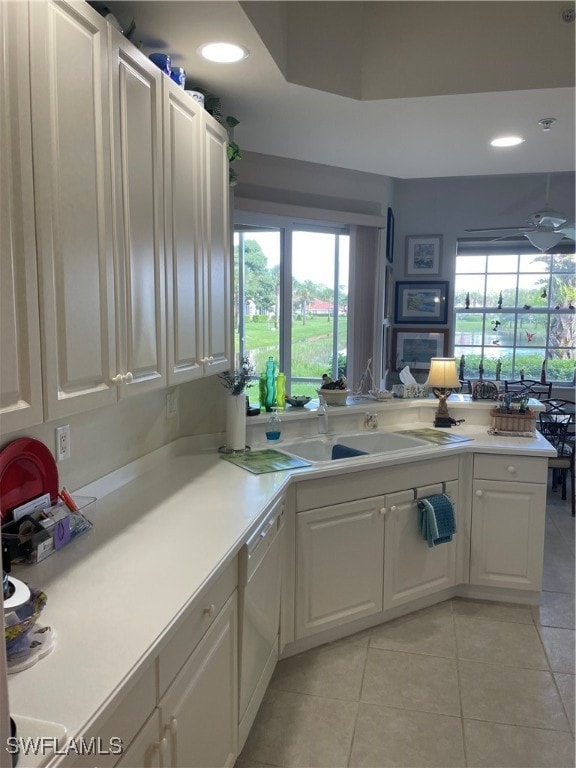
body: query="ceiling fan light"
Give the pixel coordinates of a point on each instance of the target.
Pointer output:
(506, 141)
(544, 240)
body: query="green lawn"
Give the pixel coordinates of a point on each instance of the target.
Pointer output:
(311, 347)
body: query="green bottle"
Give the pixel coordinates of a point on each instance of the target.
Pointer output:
(281, 391)
(270, 384)
(262, 391)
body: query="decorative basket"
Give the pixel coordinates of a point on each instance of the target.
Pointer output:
(521, 423)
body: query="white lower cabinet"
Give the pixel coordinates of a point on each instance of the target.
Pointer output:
(412, 569)
(339, 567)
(147, 750)
(507, 538)
(200, 709)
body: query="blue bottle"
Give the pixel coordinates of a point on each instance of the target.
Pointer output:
(270, 383)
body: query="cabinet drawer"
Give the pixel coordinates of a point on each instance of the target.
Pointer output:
(367, 483)
(523, 469)
(187, 636)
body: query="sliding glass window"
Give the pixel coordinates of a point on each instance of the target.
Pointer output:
(291, 300)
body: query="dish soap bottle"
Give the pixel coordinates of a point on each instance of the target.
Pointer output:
(273, 429)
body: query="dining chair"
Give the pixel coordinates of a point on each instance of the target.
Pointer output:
(528, 387)
(465, 386)
(556, 429)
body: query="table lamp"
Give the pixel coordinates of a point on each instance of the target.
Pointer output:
(442, 379)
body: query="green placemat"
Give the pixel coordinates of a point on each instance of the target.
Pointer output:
(267, 460)
(436, 436)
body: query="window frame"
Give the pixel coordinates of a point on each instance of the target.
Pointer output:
(287, 226)
(518, 249)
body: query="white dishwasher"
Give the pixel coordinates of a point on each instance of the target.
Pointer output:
(259, 583)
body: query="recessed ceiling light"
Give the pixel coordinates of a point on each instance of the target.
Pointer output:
(506, 141)
(223, 53)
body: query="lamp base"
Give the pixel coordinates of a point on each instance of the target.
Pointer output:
(444, 421)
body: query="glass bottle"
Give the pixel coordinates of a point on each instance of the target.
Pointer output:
(273, 428)
(262, 391)
(270, 383)
(281, 391)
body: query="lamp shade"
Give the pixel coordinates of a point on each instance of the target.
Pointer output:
(443, 374)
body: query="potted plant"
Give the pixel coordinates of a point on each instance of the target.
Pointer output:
(237, 382)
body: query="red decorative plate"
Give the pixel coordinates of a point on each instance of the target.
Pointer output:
(27, 470)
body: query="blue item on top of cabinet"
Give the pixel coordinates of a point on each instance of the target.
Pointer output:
(162, 61)
(179, 76)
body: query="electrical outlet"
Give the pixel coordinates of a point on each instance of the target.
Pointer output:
(172, 405)
(63, 442)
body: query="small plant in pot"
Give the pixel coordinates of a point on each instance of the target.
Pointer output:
(238, 380)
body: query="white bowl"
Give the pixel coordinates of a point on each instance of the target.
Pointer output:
(334, 396)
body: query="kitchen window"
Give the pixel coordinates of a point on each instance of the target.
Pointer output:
(515, 306)
(291, 299)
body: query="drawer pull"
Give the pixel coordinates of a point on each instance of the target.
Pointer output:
(128, 378)
(383, 511)
(173, 726)
(117, 379)
(210, 610)
(511, 469)
(393, 508)
(479, 493)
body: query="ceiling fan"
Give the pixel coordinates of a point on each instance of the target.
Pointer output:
(544, 228)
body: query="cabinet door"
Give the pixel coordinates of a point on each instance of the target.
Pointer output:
(137, 148)
(411, 568)
(20, 373)
(507, 539)
(200, 709)
(340, 552)
(217, 254)
(72, 187)
(145, 751)
(183, 236)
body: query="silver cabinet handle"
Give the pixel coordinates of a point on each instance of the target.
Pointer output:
(511, 469)
(479, 493)
(383, 510)
(117, 379)
(210, 610)
(173, 726)
(128, 378)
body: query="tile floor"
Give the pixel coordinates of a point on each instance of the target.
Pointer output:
(464, 683)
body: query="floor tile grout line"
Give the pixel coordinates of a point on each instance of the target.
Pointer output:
(462, 729)
(351, 747)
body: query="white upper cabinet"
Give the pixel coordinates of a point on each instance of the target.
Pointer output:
(183, 170)
(92, 136)
(217, 256)
(72, 188)
(20, 373)
(138, 216)
(197, 239)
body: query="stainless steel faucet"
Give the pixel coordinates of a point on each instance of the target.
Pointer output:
(322, 416)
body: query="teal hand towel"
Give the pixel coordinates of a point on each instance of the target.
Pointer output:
(436, 519)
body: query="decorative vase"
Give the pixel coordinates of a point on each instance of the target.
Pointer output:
(236, 422)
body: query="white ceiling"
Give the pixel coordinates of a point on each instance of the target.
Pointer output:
(425, 75)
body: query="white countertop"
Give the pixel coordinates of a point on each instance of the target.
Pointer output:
(114, 593)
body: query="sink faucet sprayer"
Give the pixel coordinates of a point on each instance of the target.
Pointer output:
(322, 416)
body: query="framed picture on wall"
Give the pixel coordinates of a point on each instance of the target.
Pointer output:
(416, 346)
(390, 236)
(421, 302)
(423, 254)
(388, 293)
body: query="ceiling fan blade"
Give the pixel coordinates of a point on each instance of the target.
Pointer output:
(498, 229)
(568, 230)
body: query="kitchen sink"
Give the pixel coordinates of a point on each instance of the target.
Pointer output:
(319, 449)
